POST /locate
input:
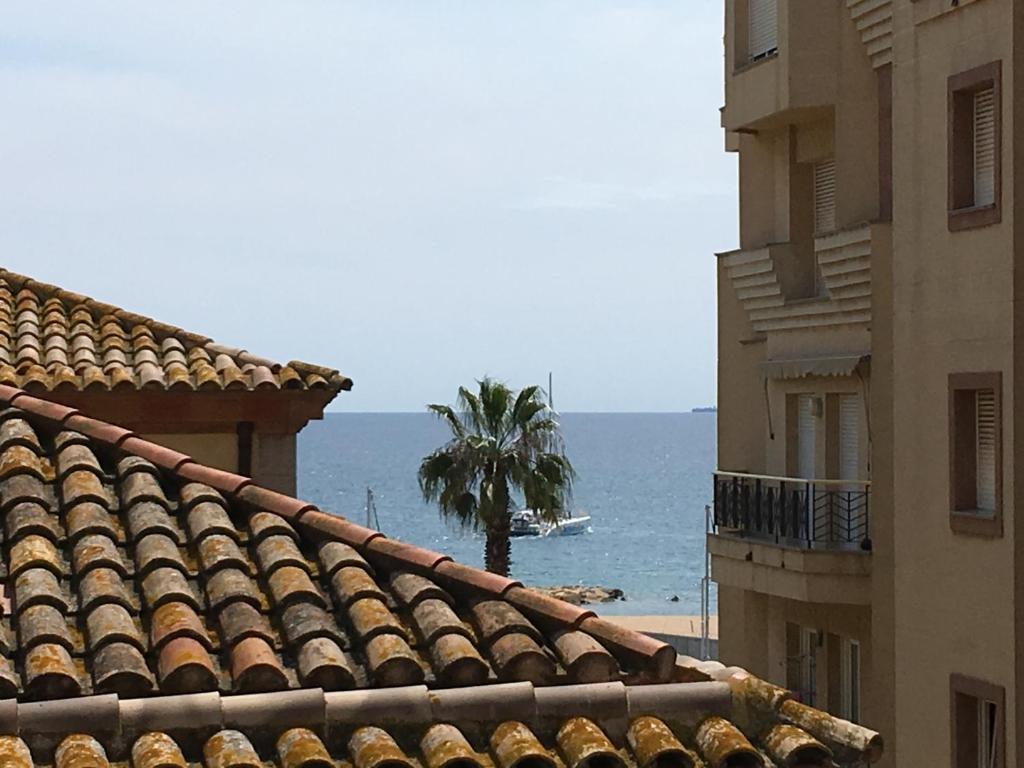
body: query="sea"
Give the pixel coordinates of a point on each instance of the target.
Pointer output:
(644, 478)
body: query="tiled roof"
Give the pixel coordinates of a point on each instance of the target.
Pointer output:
(510, 725)
(205, 617)
(52, 339)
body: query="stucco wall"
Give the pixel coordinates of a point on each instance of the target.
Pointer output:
(741, 436)
(219, 450)
(273, 455)
(952, 299)
(274, 462)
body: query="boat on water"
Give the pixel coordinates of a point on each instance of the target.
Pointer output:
(526, 522)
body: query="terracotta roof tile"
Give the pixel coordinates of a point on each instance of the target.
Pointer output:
(52, 339)
(267, 500)
(408, 728)
(134, 571)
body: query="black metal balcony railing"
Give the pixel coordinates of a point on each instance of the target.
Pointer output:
(817, 514)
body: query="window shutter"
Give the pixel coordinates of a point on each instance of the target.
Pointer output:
(849, 443)
(985, 410)
(984, 148)
(805, 438)
(764, 25)
(825, 195)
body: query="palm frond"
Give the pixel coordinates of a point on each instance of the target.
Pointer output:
(447, 413)
(527, 397)
(495, 398)
(470, 405)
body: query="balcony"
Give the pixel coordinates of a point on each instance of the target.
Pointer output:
(792, 82)
(807, 540)
(815, 514)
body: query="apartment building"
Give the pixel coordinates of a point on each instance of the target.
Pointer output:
(871, 359)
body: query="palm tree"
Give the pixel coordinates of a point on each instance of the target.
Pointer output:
(502, 443)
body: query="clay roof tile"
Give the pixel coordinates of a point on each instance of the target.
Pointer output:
(40, 310)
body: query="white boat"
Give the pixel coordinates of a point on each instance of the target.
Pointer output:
(526, 522)
(570, 526)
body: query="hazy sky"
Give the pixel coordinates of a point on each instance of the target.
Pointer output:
(416, 192)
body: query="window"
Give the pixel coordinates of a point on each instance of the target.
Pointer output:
(824, 196)
(763, 28)
(976, 714)
(975, 453)
(802, 646)
(850, 680)
(808, 665)
(975, 152)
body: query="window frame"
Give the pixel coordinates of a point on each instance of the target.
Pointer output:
(742, 58)
(980, 691)
(963, 387)
(961, 89)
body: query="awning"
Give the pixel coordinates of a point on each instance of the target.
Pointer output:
(842, 365)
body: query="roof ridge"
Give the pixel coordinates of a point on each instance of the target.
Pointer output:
(408, 706)
(655, 657)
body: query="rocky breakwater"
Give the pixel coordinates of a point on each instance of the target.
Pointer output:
(579, 595)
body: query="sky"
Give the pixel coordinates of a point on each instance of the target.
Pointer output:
(416, 192)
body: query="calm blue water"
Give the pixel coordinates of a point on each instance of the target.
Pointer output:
(644, 478)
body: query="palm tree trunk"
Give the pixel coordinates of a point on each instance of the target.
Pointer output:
(498, 548)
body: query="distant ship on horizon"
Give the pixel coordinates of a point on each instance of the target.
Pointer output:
(705, 409)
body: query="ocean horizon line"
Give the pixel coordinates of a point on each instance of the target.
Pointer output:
(689, 412)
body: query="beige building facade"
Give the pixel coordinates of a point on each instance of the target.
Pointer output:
(870, 328)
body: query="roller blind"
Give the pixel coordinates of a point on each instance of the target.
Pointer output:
(849, 434)
(805, 437)
(985, 411)
(984, 148)
(825, 195)
(764, 26)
